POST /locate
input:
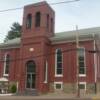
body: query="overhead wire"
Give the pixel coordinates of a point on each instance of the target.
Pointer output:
(57, 3)
(48, 54)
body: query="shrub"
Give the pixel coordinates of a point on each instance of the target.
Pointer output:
(13, 88)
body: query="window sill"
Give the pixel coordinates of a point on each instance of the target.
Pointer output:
(58, 75)
(5, 75)
(82, 75)
(45, 82)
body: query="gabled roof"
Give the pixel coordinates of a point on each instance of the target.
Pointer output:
(84, 34)
(14, 43)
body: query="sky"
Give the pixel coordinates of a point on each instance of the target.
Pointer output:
(84, 13)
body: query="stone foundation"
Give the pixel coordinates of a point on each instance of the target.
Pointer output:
(69, 88)
(51, 88)
(90, 88)
(98, 87)
(72, 88)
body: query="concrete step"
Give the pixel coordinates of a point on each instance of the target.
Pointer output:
(28, 92)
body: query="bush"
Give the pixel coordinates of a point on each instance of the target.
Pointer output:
(13, 88)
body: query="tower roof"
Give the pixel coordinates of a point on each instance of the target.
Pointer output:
(38, 4)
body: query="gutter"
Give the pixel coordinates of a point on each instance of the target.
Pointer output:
(95, 62)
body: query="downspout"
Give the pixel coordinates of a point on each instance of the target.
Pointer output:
(95, 63)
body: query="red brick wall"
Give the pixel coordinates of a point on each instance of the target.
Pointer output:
(14, 65)
(69, 63)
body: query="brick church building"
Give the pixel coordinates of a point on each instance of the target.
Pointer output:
(45, 61)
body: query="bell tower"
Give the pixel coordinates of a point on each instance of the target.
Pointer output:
(38, 20)
(38, 26)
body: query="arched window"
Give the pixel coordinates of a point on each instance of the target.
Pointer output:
(31, 74)
(31, 68)
(58, 63)
(52, 25)
(6, 64)
(37, 19)
(29, 21)
(47, 21)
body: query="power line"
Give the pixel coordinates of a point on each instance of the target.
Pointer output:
(64, 2)
(40, 55)
(49, 54)
(12, 9)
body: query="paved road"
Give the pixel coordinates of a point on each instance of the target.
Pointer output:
(39, 98)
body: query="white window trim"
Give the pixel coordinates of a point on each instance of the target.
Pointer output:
(83, 75)
(5, 57)
(84, 84)
(58, 83)
(58, 75)
(46, 73)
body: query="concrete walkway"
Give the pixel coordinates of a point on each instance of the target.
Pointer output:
(41, 98)
(70, 96)
(53, 96)
(96, 97)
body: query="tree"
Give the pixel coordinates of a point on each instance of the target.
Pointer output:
(14, 32)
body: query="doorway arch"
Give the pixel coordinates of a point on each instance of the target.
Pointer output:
(30, 74)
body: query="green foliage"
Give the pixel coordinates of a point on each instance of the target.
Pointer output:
(14, 32)
(13, 88)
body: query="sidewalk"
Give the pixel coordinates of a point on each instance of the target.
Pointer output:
(64, 95)
(50, 96)
(58, 95)
(44, 97)
(53, 96)
(96, 97)
(71, 96)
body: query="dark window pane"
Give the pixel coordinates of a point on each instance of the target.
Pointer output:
(81, 86)
(59, 58)
(51, 24)
(28, 80)
(7, 64)
(37, 19)
(58, 86)
(31, 67)
(59, 52)
(47, 21)
(81, 64)
(81, 60)
(59, 61)
(7, 69)
(33, 80)
(29, 21)
(59, 71)
(82, 70)
(59, 65)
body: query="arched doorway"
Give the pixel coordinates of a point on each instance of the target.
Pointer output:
(31, 75)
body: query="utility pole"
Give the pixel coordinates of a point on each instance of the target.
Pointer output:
(77, 61)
